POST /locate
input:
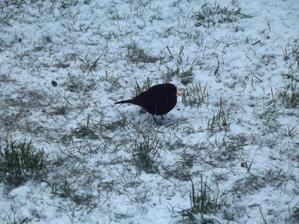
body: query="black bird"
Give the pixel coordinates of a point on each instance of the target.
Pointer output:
(157, 100)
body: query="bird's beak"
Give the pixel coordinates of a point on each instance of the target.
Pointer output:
(178, 94)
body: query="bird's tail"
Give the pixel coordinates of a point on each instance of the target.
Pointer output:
(125, 101)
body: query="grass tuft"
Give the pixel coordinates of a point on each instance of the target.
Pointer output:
(295, 213)
(83, 131)
(181, 69)
(144, 149)
(137, 55)
(289, 95)
(213, 14)
(219, 120)
(88, 64)
(137, 89)
(195, 95)
(20, 162)
(204, 202)
(65, 190)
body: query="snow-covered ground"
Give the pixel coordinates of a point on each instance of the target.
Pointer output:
(234, 131)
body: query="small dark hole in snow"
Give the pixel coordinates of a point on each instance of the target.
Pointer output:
(54, 83)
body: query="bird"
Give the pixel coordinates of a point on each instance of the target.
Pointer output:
(157, 100)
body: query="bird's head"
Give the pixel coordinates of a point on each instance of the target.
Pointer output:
(172, 88)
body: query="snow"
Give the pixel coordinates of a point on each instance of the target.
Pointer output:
(242, 62)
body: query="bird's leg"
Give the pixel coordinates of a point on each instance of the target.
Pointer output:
(154, 118)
